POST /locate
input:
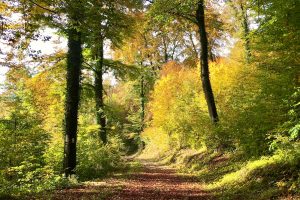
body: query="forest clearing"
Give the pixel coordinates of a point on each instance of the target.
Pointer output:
(150, 99)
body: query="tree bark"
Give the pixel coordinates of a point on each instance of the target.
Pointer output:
(166, 56)
(142, 97)
(100, 115)
(74, 62)
(209, 96)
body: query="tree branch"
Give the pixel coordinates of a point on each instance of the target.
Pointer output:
(191, 18)
(88, 66)
(42, 7)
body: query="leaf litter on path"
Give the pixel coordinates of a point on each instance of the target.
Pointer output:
(152, 182)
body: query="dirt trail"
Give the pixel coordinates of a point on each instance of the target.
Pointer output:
(152, 182)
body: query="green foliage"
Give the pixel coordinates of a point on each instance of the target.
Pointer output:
(286, 135)
(23, 168)
(265, 178)
(29, 177)
(21, 135)
(95, 159)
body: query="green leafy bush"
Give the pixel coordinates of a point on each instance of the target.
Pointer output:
(28, 178)
(94, 158)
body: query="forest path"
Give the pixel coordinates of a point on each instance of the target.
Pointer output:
(151, 182)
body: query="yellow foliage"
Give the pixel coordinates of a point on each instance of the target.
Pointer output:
(158, 142)
(177, 102)
(179, 108)
(47, 95)
(3, 7)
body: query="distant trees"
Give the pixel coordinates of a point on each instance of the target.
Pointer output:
(242, 10)
(186, 10)
(108, 23)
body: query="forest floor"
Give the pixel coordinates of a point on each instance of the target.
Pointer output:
(150, 181)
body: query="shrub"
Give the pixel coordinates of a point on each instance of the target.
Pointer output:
(94, 158)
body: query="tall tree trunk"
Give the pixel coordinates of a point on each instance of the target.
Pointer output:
(74, 62)
(209, 96)
(100, 115)
(246, 32)
(142, 98)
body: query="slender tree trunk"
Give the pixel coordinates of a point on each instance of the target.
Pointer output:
(74, 62)
(194, 46)
(211, 55)
(246, 32)
(209, 96)
(142, 97)
(166, 56)
(100, 115)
